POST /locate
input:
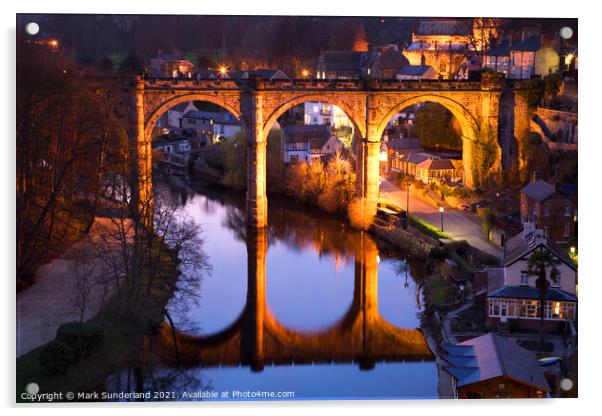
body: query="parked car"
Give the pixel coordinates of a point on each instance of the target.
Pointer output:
(470, 208)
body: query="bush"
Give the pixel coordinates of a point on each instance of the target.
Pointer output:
(74, 340)
(359, 216)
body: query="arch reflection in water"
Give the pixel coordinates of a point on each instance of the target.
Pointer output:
(257, 338)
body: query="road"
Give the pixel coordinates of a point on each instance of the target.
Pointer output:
(457, 224)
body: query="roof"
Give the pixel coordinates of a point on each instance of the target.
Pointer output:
(530, 292)
(404, 143)
(436, 164)
(223, 117)
(501, 49)
(264, 73)
(538, 190)
(530, 44)
(416, 157)
(490, 356)
(391, 59)
(522, 245)
(414, 70)
(450, 27)
(315, 135)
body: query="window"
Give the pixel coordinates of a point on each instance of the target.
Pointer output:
(566, 232)
(473, 395)
(524, 278)
(567, 211)
(294, 158)
(546, 231)
(316, 109)
(546, 210)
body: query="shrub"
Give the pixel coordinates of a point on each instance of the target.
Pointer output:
(74, 340)
(359, 216)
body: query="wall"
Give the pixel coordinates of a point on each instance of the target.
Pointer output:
(568, 277)
(490, 389)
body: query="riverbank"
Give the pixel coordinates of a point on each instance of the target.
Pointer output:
(112, 327)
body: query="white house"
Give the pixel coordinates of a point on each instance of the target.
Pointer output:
(307, 143)
(175, 114)
(515, 297)
(172, 146)
(318, 113)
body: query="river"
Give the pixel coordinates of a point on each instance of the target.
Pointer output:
(307, 309)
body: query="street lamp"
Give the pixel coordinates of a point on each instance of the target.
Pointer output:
(573, 250)
(305, 73)
(223, 70)
(441, 209)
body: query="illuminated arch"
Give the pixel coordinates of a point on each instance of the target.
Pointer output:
(178, 99)
(467, 121)
(357, 121)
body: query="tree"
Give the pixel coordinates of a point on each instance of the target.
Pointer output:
(539, 264)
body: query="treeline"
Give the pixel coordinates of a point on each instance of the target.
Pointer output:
(437, 127)
(65, 133)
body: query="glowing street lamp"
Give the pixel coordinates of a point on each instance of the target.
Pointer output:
(223, 70)
(383, 156)
(441, 209)
(305, 73)
(573, 249)
(53, 42)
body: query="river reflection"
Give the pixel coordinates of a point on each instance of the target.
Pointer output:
(308, 305)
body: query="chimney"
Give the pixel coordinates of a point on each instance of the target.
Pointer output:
(536, 175)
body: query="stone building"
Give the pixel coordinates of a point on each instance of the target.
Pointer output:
(171, 66)
(348, 65)
(441, 43)
(549, 209)
(308, 143)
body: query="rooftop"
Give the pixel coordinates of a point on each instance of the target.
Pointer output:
(414, 70)
(490, 356)
(436, 164)
(530, 292)
(522, 244)
(223, 117)
(538, 190)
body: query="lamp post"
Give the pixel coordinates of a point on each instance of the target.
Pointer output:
(441, 209)
(408, 183)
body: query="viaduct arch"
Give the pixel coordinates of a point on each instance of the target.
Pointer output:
(370, 105)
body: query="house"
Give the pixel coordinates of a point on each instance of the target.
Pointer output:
(211, 125)
(535, 55)
(498, 58)
(416, 73)
(406, 163)
(171, 66)
(549, 209)
(432, 170)
(179, 146)
(494, 367)
(319, 113)
(442, 43)
(514, 300)
(173, 116)
(349, 65)
(307, 143)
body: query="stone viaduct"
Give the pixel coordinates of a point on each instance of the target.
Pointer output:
(370, 105)
(256, 338)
